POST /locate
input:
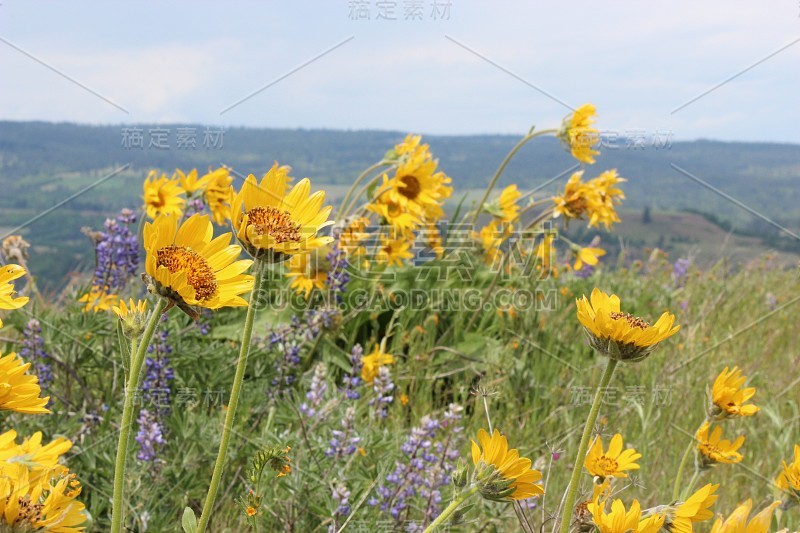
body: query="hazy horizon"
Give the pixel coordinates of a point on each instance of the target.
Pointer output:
(122, 125)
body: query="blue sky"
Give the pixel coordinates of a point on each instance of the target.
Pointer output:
(186, 62)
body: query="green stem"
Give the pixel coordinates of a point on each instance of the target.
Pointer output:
(137, 359)
(534, 205)
(690, 486)
(236, 389)
(340, 214)
(676, 490)
(540, 218)
(452, 508)
(501, 168)
(572, 490)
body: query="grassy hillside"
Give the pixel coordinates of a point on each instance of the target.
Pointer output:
(42, 164)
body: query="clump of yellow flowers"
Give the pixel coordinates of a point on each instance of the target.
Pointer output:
(37, 492)
(499, 474)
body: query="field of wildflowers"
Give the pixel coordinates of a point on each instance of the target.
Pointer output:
(247, 357)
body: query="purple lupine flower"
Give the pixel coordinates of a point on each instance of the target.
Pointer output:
(431, 450)
(33, 352)
(530, 503)
(287, 341)
(194, 207)
(116, 253)
(317, 320)
(338, 277)
(353, 381)
(149, 436)
(203, 323)
(679, 271)
(344, 442)
(384, 392)
(315, 393)
(584, 272)
(158, 372)
(156, 390)
(341, 496)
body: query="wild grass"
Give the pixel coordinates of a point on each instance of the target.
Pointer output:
(532, 367)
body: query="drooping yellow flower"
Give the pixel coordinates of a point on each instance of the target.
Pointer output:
(789, 478)
(190, 182)
(596, 199)
(578, 134)
(728, 398)
(737, 521)
(19, 391)
(620, 335)
(370, 364)
(37, 458)
(190, 268)
(394, 215)
(410, 146)
(608, 196)
(588, 256)
(501, 473)
(98, 300)
(575, 200)
(162, 195)
(218, 194)
(417, 190)
(714, 449)
(9, 273)
(621, 521)
(681, 517)
(306, 273)
(505, 206)
(611, 463)
(508, 203)
(46, 505)
(393, 251)
(491, 237)
(272, 224)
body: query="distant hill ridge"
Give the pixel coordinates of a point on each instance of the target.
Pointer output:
(42, 163)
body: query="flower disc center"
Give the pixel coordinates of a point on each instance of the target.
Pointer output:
(274, 222)
(606, 465)
(199, 273)
(411, 187)
(633, 321)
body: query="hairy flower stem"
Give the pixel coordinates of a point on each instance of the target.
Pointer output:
(452, 508)
(236, 389)
(572, 490)
(676, 490)
(137, 359)
(501, 168)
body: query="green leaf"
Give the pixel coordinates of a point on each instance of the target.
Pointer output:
(189, 521)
